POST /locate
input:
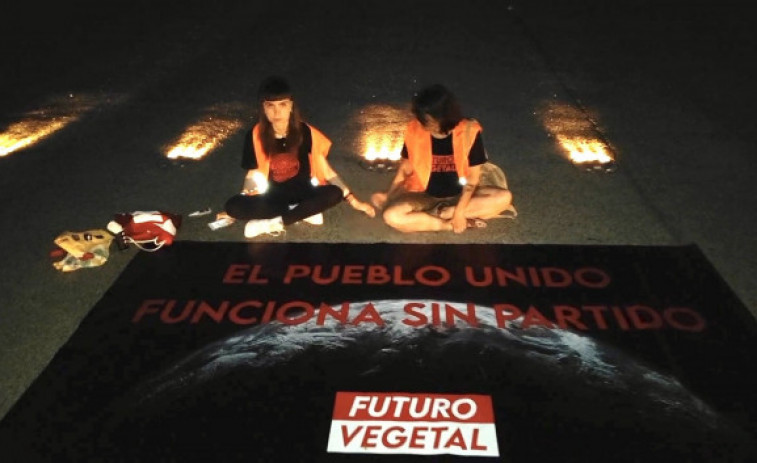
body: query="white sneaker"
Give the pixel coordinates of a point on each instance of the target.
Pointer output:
(315, 219)
(254, 228)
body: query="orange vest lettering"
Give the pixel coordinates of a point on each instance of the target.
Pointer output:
(418, 143)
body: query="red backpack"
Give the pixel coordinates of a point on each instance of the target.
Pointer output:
(147, 230)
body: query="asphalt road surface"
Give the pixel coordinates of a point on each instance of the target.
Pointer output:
(666, 85)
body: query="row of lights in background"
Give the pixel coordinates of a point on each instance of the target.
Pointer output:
(382, 133)
(196, 142)
(207, 133)
(578, 137)
(42, 122)
(381, 127)
(381, 130)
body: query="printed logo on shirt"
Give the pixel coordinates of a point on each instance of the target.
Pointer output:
(442, 163)
(417, 423)
(284, 166)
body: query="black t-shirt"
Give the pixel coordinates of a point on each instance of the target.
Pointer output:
(444, 181)
(287, 169)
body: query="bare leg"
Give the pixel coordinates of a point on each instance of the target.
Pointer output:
(402, 217)
(487, 202)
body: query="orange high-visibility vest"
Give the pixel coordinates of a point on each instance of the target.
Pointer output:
(318, 152)
(418, 143)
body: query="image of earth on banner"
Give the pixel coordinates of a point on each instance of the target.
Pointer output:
(546, 385)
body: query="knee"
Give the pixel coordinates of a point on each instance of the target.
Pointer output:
(393, 216)
(235, 206)
(335, 194)
(504, 198)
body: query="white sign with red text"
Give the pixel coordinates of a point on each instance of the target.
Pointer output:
(417, 423)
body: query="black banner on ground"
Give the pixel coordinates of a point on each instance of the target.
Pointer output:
(400, 352)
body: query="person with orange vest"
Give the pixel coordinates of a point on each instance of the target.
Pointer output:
(288, 177)
(444, 181)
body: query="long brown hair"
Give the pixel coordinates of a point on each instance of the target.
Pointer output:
(272, 89)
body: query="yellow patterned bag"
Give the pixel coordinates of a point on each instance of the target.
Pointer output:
(89, 248)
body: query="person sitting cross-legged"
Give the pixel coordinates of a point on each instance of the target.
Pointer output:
(445, 181)
(288, 177)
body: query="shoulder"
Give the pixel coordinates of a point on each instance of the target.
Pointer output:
(315, 134)
(469, 124)
(414, 129)
(414, 124)
(467, 128)
(307, 128)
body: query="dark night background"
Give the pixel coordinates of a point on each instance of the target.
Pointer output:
(668, 84)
